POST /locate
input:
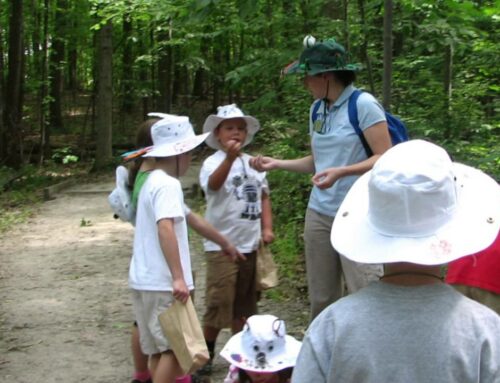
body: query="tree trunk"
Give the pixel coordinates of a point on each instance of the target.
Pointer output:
(127, 103)
(56, 67)
(2, 100)
(177, 78)
(218, 72)
(12, 138)
(364, 46)
(230, 65)
(448, 86)
(333, 9)
(72, 68)
(143, 70)
(36, 43)
(153, 71)
(270, 27)
(386, 101)
(165, 62)
(200, 75)
(104, 105)
(44, 110)
(345, 15)
(164, 100)
(241, 59)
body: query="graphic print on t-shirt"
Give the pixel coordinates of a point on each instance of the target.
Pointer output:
(247, 189)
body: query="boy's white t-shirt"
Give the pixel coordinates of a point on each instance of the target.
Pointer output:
(160, 197)
(235, 209)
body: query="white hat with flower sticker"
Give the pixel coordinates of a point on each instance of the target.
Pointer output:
(262, 346)
(173, 136)
(417, 206)
(227, 112)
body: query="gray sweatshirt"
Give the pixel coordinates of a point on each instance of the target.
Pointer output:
(387, 333)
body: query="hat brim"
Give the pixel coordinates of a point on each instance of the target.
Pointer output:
(292, 68)
(175, 148)
(473, 227)
(234, 354)
(295, 68)
(213, 122)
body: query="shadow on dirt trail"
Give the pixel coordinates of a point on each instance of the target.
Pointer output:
(65, 311)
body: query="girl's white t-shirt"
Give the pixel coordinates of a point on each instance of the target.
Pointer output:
(160, 197)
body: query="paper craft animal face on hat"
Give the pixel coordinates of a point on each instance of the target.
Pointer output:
(262, 346)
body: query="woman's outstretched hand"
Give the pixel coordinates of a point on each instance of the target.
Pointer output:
(262, 163)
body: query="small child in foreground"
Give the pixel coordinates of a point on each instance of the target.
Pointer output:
(262, 352)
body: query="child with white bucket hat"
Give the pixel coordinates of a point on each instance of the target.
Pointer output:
(415, 211)
(262, 352)
(238, 205)
(160, 269)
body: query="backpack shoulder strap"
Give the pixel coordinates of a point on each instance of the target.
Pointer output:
(352, 110)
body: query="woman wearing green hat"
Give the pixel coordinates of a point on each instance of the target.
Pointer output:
(338, 158)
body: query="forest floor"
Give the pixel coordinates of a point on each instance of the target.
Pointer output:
(65, 307)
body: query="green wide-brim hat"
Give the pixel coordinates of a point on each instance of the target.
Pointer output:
(324, 56)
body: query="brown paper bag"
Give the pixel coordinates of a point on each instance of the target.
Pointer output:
(183, 331)
(266, 269)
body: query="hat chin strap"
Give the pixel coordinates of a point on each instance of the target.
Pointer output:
(325, 99)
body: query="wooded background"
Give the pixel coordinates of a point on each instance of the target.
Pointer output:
(78, 76)
(91, 69)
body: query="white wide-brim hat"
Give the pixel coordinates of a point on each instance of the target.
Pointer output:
(227, 112)
(173, 135)
(262, 346)
(417, 206)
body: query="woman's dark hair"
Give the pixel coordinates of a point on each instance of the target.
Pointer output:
(345, 77)
(142, 140)
(284, 375)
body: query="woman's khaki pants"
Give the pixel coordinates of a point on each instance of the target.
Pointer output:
(325, 267)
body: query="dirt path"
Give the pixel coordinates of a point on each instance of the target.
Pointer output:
(65, 311)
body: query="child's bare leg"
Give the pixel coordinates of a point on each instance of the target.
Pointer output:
(153, 363)
(167, 368)
(141, 370)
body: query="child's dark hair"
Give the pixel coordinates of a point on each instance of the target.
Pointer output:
(142, 140)
(283, 375)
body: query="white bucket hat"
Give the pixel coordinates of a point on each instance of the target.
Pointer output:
(227, 112)
(173, 135)
(417, 206)
(262, 346)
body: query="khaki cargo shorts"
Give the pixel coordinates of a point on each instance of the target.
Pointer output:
(230, 289)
